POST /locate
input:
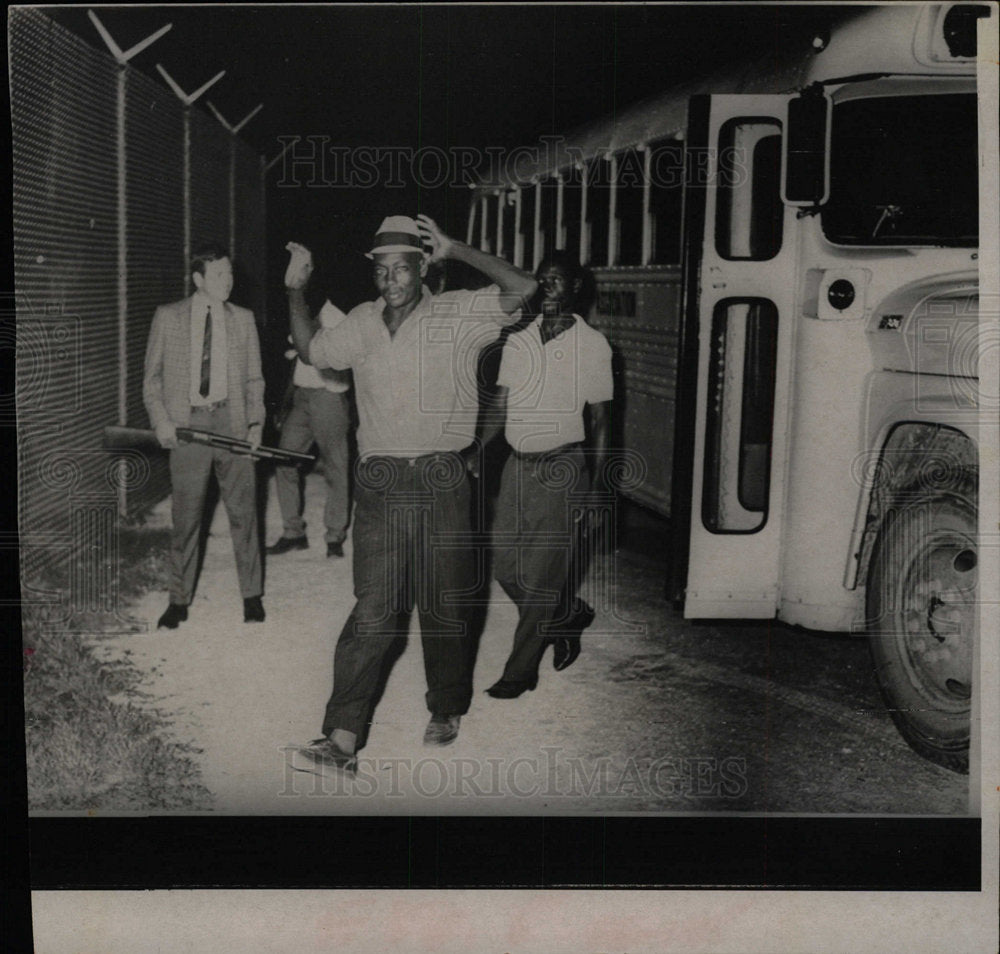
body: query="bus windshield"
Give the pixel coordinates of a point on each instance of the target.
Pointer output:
(903, 171)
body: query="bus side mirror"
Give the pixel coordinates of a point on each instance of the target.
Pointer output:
(805, 154)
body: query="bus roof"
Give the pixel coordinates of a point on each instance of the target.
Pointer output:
(893, 39)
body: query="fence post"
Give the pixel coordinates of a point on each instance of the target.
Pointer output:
(233, 130)
(187, 99)
(122, 57)
(263, 204)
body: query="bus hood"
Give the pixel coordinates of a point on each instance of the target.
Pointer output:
(929, 327)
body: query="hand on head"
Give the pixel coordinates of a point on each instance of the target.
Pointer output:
(441, 245)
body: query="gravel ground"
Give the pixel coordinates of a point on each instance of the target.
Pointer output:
(657, 715)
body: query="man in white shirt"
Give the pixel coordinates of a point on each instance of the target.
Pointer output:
(549, 373)
(319, 414)
(413, 355)
(202, 370)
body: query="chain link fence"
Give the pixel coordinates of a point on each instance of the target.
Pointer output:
(114, 181)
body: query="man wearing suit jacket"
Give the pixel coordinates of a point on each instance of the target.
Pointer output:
(203, 371)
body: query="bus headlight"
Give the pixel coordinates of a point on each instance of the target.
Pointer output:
(840, 294)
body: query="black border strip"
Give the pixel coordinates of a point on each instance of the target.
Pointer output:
(941, 854)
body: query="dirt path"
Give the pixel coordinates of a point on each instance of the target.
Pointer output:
(662, 716)
(243, 693)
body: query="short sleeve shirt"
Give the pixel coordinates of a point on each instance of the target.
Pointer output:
(417, 391)
(306, 376)
(549, 384)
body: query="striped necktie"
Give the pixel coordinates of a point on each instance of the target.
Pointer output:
(206, 355)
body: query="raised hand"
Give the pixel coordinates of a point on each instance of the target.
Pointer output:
(300, 266)
(441, 245)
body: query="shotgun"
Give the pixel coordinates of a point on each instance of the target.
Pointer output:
(137, 437)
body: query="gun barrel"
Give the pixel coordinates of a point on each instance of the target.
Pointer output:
(117, 437)
(236, 446)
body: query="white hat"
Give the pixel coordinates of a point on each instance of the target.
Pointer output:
(397, 233)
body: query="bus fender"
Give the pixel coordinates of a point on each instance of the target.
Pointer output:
(914, 459)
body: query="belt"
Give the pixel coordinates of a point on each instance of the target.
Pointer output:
(409, 461)
(541, 455)
(210, 407)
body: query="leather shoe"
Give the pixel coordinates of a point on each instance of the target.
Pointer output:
(442, 729)
(175, 614)
(285, 544)
(510, 688)
(326, 752)
(335, 549)
(253, 610)
(565, 649)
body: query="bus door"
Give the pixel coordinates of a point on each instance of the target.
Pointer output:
(742, 301)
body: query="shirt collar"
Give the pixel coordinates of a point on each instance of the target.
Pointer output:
(201, 301)
(572, 328)
(423, 306)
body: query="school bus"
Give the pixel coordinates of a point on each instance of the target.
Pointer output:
(786, 266)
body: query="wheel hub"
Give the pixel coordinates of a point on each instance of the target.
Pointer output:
(939, 613)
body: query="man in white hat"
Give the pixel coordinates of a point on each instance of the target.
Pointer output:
(414, 357)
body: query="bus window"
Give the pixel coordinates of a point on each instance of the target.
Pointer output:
(666, 177)
(549, 189)
(509, 212)
(738, 425)
(959, 28)
(631, 176)
(920, 184)
(527, 235)
(572, 196)
(487, 222)
(598, 209)
(748, 211)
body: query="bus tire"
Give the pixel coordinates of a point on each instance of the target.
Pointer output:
(923, 621)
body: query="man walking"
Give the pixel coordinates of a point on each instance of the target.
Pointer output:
(549, 373)
(203, 371)
(319, 414)
(413, 355)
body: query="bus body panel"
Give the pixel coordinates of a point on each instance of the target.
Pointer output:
(913, 311)
(638, 311)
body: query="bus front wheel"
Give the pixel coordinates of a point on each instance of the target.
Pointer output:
(923, 620)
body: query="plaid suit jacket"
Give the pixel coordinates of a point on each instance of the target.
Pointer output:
(166, 385)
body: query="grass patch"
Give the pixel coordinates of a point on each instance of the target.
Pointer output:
(90, 743)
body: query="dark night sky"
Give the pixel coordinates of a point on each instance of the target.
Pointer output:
(448, 76)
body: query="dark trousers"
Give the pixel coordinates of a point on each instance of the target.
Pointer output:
(191, 467)
(322, 416)
(412, 547)
(535, 541)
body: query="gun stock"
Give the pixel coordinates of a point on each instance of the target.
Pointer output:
(135, 438)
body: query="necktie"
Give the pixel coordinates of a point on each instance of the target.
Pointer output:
(206, 355)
